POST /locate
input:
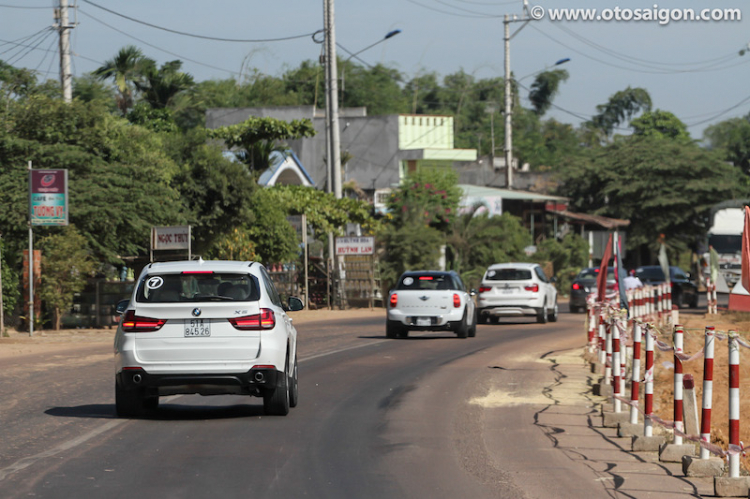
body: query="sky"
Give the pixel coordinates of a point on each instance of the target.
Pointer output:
(692, 69)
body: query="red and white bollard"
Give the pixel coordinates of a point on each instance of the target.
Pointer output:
(734, 403)
(659, 303)
(714, 300)
(648, 389)
(602, 339)
(608, 347)
(708, 382)
(636, 371)
(592, 328)
(678, 418)
(616, 368)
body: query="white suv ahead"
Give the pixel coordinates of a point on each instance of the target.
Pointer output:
(517, 289)
(205, 327)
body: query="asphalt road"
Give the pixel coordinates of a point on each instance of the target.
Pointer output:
(427, 416)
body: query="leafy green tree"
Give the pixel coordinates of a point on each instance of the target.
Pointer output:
(660, 124)
(545, 88)
(661, 186)
(412, 246)
(66, 264)
(257, 137)
(235, 245)
(429, 196)
(376, 88)
(274, 239)
(568, 257)
(731, 138)
(620, 107)
(10, 285)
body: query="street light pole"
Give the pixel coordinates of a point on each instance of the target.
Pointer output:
(508, 109)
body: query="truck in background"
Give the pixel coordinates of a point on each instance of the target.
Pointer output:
(725, 236)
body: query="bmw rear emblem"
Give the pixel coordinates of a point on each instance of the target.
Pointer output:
(196, 312)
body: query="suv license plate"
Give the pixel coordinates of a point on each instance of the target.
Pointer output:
(423, 321)
(197, 327)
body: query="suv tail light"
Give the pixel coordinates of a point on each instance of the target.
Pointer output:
(266, 319)
(132, 323)
(484, 289)
(534, 288)
(456, 300)
(394, 300)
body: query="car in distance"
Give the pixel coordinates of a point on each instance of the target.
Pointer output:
(684, 291)
(584, 284)
(517, 289)
(430, 300)
(208, 328)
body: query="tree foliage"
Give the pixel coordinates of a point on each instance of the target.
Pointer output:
(428, 196)
(66, 265)
(661, 125)
(731, 139)
(545, 88)
(621, 106)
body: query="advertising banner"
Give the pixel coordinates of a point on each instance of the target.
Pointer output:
(48, 197)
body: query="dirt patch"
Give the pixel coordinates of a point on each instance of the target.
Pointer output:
(694, 340)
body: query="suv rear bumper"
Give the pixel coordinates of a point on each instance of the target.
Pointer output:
(252, 382)
(510, 311)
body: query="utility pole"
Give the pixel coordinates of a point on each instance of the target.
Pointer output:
(63, 27)
(509, 93)
(332, 127)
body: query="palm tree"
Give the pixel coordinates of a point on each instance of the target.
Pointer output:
(161, 87)
(125, 70)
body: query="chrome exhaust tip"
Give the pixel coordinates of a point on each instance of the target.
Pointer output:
(137, 378)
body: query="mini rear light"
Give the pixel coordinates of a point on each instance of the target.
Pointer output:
(132, 323)
(425, 278)
(266, 319)
(484, 289)
(186, 272)
(456, 300)
(394, 300)
(576, 286)
(534, 288)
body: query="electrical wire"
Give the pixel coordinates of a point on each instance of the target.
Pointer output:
(448, 13)
(48, 50)
(21, 7)
(234, 73)
(33, 45)
(193, 35)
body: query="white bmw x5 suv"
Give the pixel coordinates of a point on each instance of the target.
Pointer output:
(208, 328)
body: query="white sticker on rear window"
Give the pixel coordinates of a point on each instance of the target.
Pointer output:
(408, 281)
(491, 273)
(154, 282)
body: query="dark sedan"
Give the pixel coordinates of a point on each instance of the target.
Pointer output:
(684, 291)
(584, 284)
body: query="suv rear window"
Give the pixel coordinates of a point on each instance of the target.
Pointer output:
(176, 288)
(426, 281)
(508, 275)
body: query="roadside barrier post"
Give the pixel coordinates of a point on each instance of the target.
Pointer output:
(602, 339)
(636, 371)
(714, 299)
(659, 304)
(708, 380)
(616, 367)
(668, 288)
(591, 328)
(608, 346)
(678, 421)
(734, 403)
(648, 389)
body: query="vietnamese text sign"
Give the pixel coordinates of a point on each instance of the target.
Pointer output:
(48, 197)
(355, 245)
(170, 238)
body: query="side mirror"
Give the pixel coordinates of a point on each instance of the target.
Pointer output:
(122, 306)
(473, 292)
(295, 304)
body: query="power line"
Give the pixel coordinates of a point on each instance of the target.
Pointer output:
(157, 47)
(448, 13)
(22, 7)
(183, 33)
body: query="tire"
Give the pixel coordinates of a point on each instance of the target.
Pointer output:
(130, 403)
(574, 309)
(553, 315)
(473, 327)
(677, 299)
(541, 315)
(391, 329)
(494, 319)
(276, 401)
(151, 403)
(293, 386)
(462, 331)
(694, 302)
